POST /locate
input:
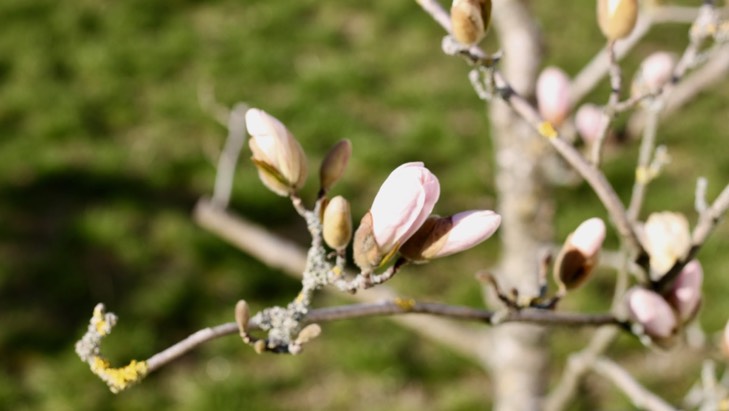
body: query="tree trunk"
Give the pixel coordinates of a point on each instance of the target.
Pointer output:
(517, 354)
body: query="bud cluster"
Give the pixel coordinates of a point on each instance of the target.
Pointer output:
(661, 316)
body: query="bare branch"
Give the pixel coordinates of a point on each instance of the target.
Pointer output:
(347, 312)
(638, 394)
(229, 156)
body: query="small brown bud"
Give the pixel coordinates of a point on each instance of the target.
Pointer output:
(616, 18)
(470, 20)
(242, 316)
(334, 164)
(337, 223)
(366, 253)
(308, 333)
(579, 254)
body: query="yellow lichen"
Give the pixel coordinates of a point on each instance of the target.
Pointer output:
(546, 129)
(99, 320)
(118, 379)
(644, 175)
(406, 304)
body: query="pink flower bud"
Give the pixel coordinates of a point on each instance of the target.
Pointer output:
(656, 70)
(587, 121)
(553, 95)
(280, 160)
(651, 311)
(579, 254)
(685, 294)
(402, 205)
(441, 237)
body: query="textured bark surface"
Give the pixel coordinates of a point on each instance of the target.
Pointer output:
(517, 354)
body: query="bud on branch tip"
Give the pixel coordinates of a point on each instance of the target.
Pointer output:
(280, 160)
(443, 236)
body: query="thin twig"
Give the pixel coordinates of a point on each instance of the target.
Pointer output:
(386, 308)
(639, 395)
(229, 156)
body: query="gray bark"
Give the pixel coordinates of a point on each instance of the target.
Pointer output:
(517, 354)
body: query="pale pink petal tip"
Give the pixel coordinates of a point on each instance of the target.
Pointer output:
(589, 236)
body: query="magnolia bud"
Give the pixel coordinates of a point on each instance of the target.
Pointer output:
(654, 72)
(334, 164)
(667, 240)
(401, 206)
(588, 120)
(579, 253)
(685, 294)
(337, 223)
(553, 95)
(242, 316)
(652, 312)
(441, 237)
(616, 18)
(280, 160)
(470, 20)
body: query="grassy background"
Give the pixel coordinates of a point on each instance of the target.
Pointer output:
(104, 150)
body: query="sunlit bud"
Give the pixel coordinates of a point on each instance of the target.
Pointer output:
(579, 253)
(587, 121)
(553, 95)
(616, 18)
(667, 240)
(334, 164)
(652, 312)
(402, 205)
(653, 73)
(685, 294)
(725, 340)
(443, 236)
(242, 316)
(337, 223)
(470, 20)
(280, 160)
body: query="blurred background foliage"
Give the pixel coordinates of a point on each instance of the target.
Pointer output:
(104, 150)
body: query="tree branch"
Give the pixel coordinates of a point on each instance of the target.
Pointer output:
(391, 308)
(638, 394)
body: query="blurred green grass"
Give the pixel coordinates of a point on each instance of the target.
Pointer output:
(104, 150)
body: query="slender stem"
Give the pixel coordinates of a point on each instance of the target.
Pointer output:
(388, 308)
(613, 100)
(647, 145)
(640, 396)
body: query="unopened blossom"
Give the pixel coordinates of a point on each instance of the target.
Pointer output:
(337, 223)
(443, 236)
(334, 163)
(553, 95)
(470, 20)
(654, 72)
(579, 254)
(617, 18)
(667, 240)
(652, 312)
(280, 160)
(685, 294)
(588, 121)
(401, 206)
